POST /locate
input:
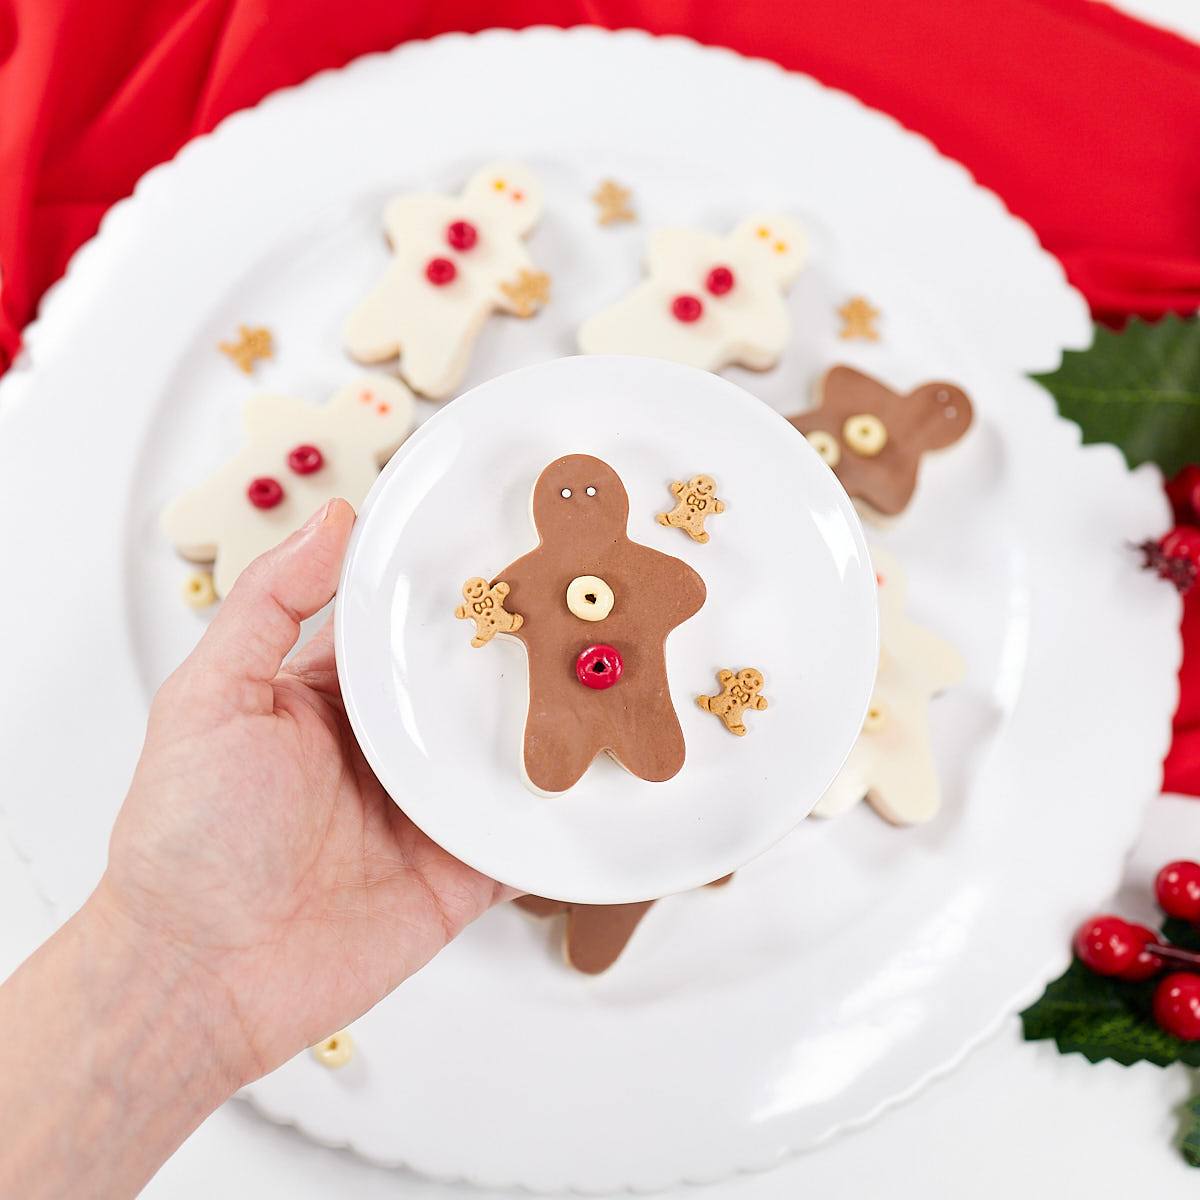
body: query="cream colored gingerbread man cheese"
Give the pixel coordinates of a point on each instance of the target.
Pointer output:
(696, 501)
(891, 765)
(485, 606)
(455, 261)
(296, 456)
(707, 301)
(739, 694)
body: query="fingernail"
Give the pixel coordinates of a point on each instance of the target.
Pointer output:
(318, 518)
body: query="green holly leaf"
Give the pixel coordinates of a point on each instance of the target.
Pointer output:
(1101, 1018)
(1138, 388)
(1190, 1145)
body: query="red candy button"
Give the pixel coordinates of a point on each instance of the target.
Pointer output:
(462, 235)
(304, 460)
(264, 492)
(719, 281)
(686, 309)
(599, 667)
(440, 271)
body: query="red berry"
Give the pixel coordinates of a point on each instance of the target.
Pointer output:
(440, 271)
(304, 460)
(599, 667)
(1108, 945)
(1184, 491)
(264, 492)
(1177, 1005)
(719, 281)
(1182, 542)
(686, 309)
(1147, 964)
(462, 235)
(1177, 887)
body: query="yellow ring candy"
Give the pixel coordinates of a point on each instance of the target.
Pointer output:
(590, 598)
(198, 591)
(826, 445)
(865, 434)
(335, 1051)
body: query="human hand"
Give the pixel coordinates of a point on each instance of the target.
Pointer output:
(256, 848)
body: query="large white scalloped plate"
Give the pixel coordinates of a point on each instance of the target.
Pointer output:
(852, 963)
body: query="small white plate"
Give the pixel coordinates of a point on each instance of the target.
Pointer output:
(790, 591)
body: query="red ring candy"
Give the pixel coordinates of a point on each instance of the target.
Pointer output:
(720, 280)
(304, 460)
(264, 492)
(686, 309)
(461, 235)
(440, 271)
(599, 667)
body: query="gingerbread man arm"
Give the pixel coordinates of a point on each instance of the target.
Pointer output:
(501, 589)
(677, 487)
(718, 506)
(724, 676)
(760, 702)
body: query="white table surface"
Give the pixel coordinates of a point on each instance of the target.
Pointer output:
(1012, 1117)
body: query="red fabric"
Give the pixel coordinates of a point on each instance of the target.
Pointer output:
(1083, 120)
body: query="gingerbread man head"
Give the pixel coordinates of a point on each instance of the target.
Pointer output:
(509, 193)
(474, 590)
(776, 241)
(748, 682)
(873, 438)
(580, 501)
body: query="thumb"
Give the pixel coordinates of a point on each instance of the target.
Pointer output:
(259, 621)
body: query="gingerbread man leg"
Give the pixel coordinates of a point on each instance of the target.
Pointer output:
(597, 933)
(555, 754)
(659, 758)
(434, 365)
(371, 334)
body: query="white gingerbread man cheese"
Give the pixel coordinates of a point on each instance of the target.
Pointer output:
(707, 301)
(456, 259)
(296, 457)
(891, 764)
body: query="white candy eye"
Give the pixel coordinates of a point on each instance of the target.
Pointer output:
(826, 445)
(566, 493)
(865, 434)
(591, 491)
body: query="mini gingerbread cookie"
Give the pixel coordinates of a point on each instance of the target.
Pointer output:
(456, 260)
(252, 344)
(739, 694)
(485, 606)
(873, 438)
(891, 765)
(295, 457)
(858, 320)
(695, 502)
(613, 201)
(708, 301)
(594, 935)
(597, 609)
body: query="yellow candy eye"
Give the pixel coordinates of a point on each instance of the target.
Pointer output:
(781, 247)
(335, 1051)
(876, 718)
(198, 591)
(763, 232)
(826, 445)
(865, 434)
(499, 185)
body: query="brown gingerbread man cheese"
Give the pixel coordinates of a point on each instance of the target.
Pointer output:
(873, 438)
(596, 682)
(595, 934)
